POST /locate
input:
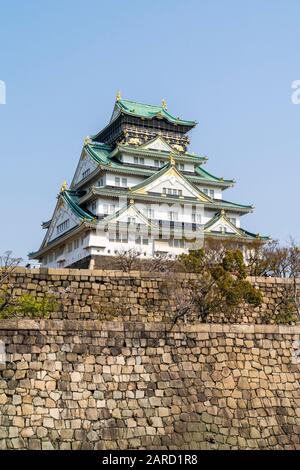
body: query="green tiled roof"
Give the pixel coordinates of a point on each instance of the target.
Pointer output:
(103, 155)
(149, 111)
(204, 174)
(72, 199)
(188, 157)
(240, 232)
(213, 203)
(99, 153)
(230, 204)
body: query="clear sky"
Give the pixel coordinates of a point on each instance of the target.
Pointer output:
(227, 64)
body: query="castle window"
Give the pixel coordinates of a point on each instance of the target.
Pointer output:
(50, 257)
(63, 226)
(180, 166)
(205, 191)
(109, 208)
(196, 218)
(101, 182)
(172, 191)
(120, 182)
(122, 237)
(176, 243)
(86, 173)
(139, 160)
(94, 206)
(76, 244)
(70, 247)
(173, 216)
(141, 240)
(149, 213)
(211, 193)
(232, 220)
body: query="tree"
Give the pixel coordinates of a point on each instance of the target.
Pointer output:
(127, 260)
(8, 265)
(294, 273)
(267, 259)
(25, 305)
(220, 284)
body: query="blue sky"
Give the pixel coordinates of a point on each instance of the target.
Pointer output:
(227, 64)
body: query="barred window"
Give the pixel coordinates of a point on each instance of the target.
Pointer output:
(63, 226)
(86, 173)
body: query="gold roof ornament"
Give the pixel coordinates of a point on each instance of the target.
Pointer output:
(223, 212)
(64, 186)
(131, 201)
(118, 96)
(87, 140)
(164, 104)
(172, 159)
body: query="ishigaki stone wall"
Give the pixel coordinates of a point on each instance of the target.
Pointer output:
(138, 296)
(87, 384)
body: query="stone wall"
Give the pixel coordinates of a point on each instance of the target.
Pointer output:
(75, 384)
(138, 296)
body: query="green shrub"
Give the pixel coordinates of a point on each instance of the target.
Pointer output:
(30, 306)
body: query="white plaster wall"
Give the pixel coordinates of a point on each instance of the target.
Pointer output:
(150, 161)
(61, 215)
(217, 191)
(131, 180)
(84, 164)
(170, 182)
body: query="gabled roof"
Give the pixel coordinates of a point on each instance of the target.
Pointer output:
(157, 143)
(221, 218)
(103, 155)
(148, 111)
(142, 150)
(204, 174)
(130, 210)
(72, 199)
(98, 152)
(170, 169)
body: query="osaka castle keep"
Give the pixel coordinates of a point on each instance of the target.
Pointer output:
(137, 187)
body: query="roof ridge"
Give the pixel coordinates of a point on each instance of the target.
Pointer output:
(143, 104)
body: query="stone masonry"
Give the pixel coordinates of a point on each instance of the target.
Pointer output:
(87, 384)
(138, 296)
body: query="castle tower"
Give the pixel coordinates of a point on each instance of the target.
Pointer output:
(137, 186)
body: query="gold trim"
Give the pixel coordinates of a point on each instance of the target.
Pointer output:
(64, 186)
